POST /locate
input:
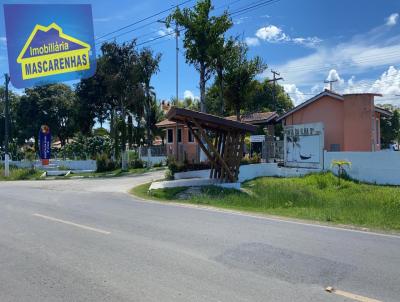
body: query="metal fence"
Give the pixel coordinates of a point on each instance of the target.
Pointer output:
(273, 151)
(155, 151)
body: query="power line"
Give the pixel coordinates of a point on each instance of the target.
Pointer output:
(144, 19)
(147, 24)
(264, 3)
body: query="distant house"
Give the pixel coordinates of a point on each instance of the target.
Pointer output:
(260, 119)
(180, 142)
(351, 121)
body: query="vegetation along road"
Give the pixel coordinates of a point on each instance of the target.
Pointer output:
(89, 240)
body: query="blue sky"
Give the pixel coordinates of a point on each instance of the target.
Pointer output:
(356, 42)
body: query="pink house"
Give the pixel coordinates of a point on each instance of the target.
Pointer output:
(351, 121)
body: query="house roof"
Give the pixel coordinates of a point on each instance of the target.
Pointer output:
(165, 124)
(207, 121)
(256, 117)
(334, 95)
(326, 92)
(383, 111)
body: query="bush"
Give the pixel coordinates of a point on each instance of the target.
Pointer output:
(247, 160)
(136, 164)
(105, 164)
(158, 165)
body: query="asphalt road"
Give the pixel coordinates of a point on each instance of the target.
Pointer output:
(88, 240)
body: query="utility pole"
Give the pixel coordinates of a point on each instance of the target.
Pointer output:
(330, 83)
(6, 129)
(274, 80)
(177, 33)
(177, 59)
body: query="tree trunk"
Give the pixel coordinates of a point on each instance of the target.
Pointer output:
(221, 88)
(203, 87)
(124, 159)
(148, 113)
(130, 131)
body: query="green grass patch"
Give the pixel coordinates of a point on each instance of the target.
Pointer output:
(161, 194)
(21, 174)
(314, 197)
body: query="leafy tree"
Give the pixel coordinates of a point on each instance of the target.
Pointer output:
(239, 77)
(262, 98)
(13, 128)
(123, 79)
(202, 33)
(53, 105)
(148, 66)
(222, 52)
(390, 129)
(94, 102)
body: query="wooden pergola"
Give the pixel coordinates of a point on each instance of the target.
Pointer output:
(222, 140)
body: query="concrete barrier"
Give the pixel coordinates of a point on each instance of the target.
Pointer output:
(382, 167)
(70, 164)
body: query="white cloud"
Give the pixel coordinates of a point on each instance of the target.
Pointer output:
(274, 34)
(392, 19)
(333, 75)
(388, 84)
(252, 41)
(190, 95)
(240, 20)
(294, 93)
(271, 33)
(360, 54)
(309, 41)
(166, 31)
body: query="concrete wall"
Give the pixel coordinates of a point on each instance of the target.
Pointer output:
(359, 122)
(70, 164)
(326, 110)
(248, 172)
(381, 167)
(154, 159)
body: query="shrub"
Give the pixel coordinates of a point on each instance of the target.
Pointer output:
(158, 165)
(105, 164)
(136, 164)
(247, 160)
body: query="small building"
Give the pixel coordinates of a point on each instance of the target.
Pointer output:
(180, 142)
(351, 121)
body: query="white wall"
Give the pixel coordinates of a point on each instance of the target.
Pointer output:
(248, 172)
(382, 167)
(70, 164)
(154, 159)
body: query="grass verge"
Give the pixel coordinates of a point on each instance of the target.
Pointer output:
(21, 174)
(314, 197)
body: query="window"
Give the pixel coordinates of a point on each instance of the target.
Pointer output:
(190, 136)
(170, 136)
(179, 135)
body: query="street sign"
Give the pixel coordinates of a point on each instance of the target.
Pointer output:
(45, 144)
(49, 43)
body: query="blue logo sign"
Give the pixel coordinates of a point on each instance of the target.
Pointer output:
(49, 43)
(44, 142)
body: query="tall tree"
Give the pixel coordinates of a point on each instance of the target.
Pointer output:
(94, 102)
(202, 32)
(240, 77)
(148, 66)
(53, 105)
(221, 53)
(123, 83)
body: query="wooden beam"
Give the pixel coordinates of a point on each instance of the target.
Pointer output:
(209, 143)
